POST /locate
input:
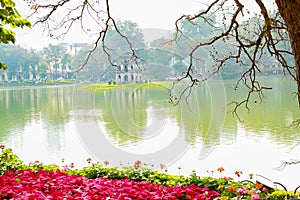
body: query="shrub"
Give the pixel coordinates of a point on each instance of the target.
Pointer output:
(282, 195)
(9, 161)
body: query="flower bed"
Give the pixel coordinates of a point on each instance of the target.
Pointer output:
(28, 184)
(96, 181)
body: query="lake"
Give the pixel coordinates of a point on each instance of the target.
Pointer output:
(125, 124)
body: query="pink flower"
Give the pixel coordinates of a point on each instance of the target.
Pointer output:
(162, 166)
(240, 191)
(255, 197)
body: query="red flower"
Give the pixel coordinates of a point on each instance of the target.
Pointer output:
(89, 160)
(259, 185)
(220, 169)
(106, 163)
(231, 188)
(71, 165)
(2, 146)
(137, 164)
(28, 184)
(238, 173)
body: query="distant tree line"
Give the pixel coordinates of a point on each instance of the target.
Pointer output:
(161, 58)
(53, 62)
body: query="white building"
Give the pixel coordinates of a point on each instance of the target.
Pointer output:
(73, 48)
(128, 72)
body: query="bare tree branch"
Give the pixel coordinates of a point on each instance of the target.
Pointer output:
(249, 50)
(58, 18)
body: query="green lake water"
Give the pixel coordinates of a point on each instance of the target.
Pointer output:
(125, 124)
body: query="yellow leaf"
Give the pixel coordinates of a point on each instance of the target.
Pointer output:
(33, 6)
(170, 43)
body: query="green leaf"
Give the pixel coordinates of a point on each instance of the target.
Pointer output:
(10, 16)
(3, 66)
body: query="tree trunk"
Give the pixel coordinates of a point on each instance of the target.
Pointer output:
(290, 12)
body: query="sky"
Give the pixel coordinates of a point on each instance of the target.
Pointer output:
(154, 14)
(163, 13)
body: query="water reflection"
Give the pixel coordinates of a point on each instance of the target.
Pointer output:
(275, 114)
(128, 112)
(131, 115)
(33, 120)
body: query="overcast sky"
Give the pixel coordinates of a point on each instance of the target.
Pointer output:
(163, 13)
(154, 13)
(160, 14)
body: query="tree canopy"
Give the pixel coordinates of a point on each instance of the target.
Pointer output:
(10, 18)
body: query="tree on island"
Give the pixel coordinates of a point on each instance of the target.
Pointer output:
(10, 18)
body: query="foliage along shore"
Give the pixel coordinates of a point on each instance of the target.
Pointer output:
(107, 86)
(81, 84)
(14, 84)
(99, 181)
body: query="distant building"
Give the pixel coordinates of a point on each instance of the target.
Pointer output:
(128, 72)
(73, 48)
(59, 71)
